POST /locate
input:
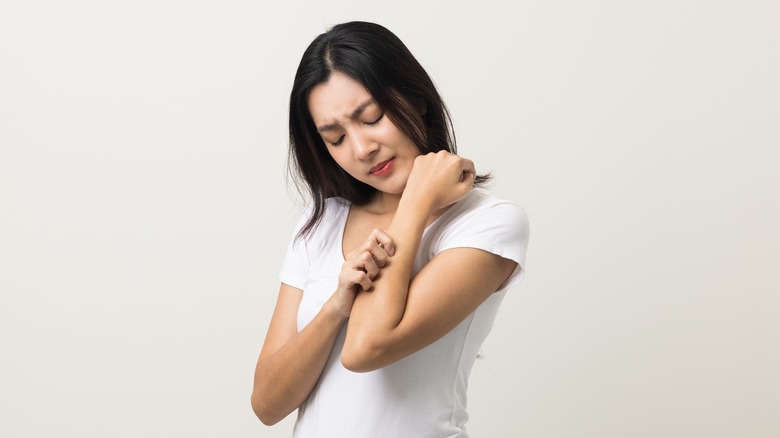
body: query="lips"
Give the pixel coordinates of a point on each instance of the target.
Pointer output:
(380, 166)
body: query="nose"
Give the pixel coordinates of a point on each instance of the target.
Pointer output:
(363, 146)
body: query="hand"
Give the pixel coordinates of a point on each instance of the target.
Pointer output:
(360, 269)
(440, 179)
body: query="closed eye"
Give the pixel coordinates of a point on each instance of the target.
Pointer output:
(371, 123)
(377, 120)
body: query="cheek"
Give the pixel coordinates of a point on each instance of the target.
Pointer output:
(343, 159)
(338, 157)
(399, 139)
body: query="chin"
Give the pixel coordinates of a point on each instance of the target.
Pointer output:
(393, 189)
(390, 186)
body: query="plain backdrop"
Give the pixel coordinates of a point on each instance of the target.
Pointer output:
(144, 210)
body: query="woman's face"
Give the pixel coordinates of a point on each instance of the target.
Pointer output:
(359, 136)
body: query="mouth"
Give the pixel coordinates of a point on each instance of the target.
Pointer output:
(382, 167)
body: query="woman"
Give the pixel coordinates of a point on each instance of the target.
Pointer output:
(397, 269)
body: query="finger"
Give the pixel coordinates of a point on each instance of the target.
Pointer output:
(467, 175)
(384, 244)
(467, 170)
(380, 252)
(359, 279)
(369, 264)
(365, 282)
(379, 255)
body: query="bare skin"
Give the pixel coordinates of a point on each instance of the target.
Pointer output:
(391, 315)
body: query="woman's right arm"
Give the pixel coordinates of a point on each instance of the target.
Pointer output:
(291, 362)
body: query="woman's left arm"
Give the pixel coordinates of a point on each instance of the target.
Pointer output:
(399, 316)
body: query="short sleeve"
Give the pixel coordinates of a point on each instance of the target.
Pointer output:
(296, 264)
(499, 227)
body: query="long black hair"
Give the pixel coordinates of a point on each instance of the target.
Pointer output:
(377, 59)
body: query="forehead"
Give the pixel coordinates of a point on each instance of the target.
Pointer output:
(335, 100)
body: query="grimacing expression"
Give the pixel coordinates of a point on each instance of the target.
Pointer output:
(359, 136)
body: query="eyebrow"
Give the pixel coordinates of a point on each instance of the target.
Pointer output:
(355, 114)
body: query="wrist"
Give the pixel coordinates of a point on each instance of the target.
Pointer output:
(334, 313)
(416, 205)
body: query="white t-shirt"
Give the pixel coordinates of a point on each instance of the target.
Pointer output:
(424, 394)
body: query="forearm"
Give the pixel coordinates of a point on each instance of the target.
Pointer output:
(377, 313)
(284, 379)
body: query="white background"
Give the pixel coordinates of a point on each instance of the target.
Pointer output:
(144, 212)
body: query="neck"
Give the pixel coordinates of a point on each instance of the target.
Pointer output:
(386, 202)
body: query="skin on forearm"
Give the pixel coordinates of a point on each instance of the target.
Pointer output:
(286, 377)
(377, 313)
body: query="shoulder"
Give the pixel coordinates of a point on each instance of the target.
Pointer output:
(481, 206)
(334, 209)
(481, 221)
(337, 204)
(330, 222)
(325, 233)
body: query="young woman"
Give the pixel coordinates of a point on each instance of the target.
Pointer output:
(397, 268)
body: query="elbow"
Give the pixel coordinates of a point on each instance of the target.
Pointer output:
(266, 415)
(362, 356)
